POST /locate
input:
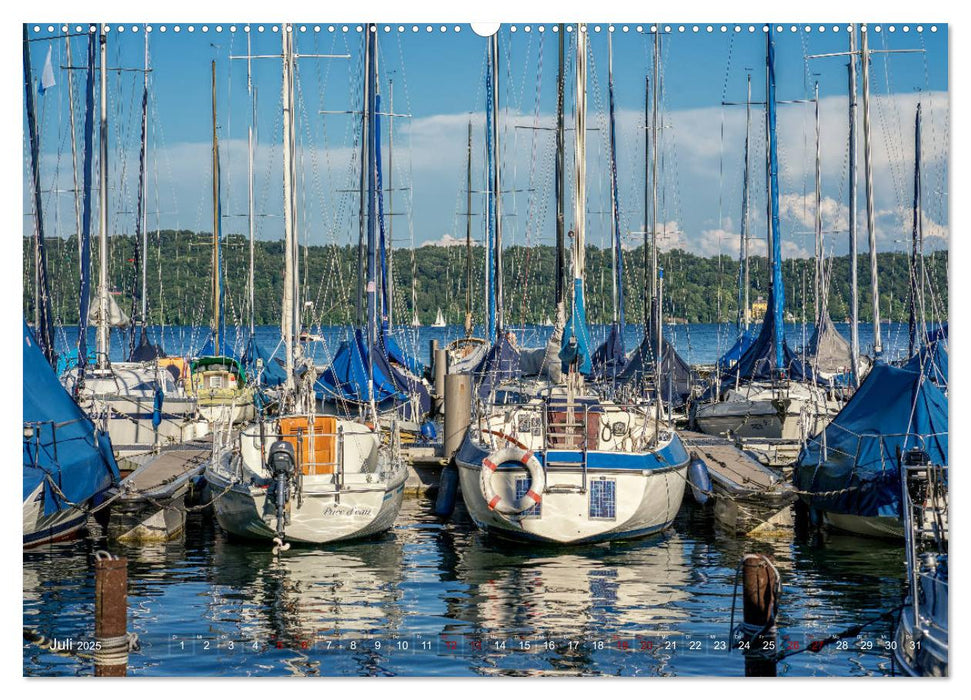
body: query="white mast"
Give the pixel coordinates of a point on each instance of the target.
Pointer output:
(614, 233)
(288, 327)
(819, 307)
(580, 156)
(144, 194)
(854, 293)
(103, 338)
(868, 172)
(249, 181)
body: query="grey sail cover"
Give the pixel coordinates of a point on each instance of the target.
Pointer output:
(116, 317)
(828, 351)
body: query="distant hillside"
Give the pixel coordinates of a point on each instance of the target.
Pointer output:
(696, 289)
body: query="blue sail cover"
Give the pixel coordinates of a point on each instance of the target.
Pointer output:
(396, 354)
(145, 351)
(75, 458)
(609, 359)
(734, 353)
(932, 361)
(576, 335)
(501, 363)
(272, 374)
(676, 378)
(760, 361)
(894, 410)
(347, 378)
(209, 349)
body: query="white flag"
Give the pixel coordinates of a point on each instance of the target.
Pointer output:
(47, 76)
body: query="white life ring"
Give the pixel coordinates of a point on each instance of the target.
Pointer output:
(537, 480)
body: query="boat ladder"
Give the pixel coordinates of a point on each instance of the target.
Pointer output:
(569, 428)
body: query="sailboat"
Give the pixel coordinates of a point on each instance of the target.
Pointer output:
(218, 380)
(141, 404)
(849, 474)
(467, 352)
(565, 466)
(302, 476)
(768, 399)
(654, 371)
(439, 320)
(921, 635)
(68, 464)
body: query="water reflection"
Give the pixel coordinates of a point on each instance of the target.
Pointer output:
(211, 606)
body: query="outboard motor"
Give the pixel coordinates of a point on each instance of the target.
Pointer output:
(282, 466)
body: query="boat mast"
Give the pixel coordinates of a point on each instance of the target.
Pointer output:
(854, 291)
(74, 147)
(103, 338)
(868, 174)
(647, 202)
(560, 171)
(778, 291)
(617, 250)
(143, 192)
(250, 136)
(654, 140)
(743, 297)
(916, 292)
(84, 257)
(468, 237)
(494, 230)
(370, 98)
(42, 312)
(216, 229)
(389, 281)
(580, 148)
(290, 281)
(818, 281)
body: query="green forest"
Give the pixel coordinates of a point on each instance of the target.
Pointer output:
(696, 289)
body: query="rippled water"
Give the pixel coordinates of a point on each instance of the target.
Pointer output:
(436, 599)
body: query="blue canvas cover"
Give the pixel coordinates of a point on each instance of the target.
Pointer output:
(347, 378)
(759, 361)
(676, 376)
(73, 456)
(145, 351)
(576, 335)
(932, 360)
(273, 373)
(734, 353)
(500, 364)
(894, 410)
(609, 359)
(396, 354)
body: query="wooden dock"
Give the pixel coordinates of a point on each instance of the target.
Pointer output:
(151, 504)
(750, 498)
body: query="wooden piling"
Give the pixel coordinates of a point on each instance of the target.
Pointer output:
(110, 615)
(760, 584)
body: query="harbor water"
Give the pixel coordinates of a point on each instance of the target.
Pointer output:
(440, 599)
(437, 598)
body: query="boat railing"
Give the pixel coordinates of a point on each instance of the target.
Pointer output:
(317, 452)
(924, 501)
(34, 433)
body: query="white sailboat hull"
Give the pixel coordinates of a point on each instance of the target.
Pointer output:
(361, 498)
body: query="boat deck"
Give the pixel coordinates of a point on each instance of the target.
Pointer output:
(170, 465)
(728, 466)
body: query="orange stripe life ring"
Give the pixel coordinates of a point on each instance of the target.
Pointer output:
(537, 480)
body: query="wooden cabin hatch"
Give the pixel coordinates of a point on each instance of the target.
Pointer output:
(572, 426)
(314, 444)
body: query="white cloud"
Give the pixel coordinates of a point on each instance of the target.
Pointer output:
(447, 241)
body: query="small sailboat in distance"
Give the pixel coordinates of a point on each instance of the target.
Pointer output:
(439, 320)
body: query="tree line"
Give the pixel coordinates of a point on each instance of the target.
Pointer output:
(696, 289)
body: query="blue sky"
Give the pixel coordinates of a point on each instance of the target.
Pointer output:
(438, 80)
